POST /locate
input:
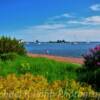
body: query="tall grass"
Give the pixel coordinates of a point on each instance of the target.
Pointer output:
(50, 69)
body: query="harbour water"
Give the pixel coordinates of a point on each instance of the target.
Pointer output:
(60, 49)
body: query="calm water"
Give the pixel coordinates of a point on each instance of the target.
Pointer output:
(64, 49)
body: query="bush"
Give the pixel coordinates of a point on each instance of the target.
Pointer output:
(24, 68)
(92, 59)
(91, 77)
(92, 67)
(8, 56)
(8, 46)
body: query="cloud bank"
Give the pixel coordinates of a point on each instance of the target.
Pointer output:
(64, 26)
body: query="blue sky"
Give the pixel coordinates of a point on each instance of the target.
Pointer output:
(72, 20)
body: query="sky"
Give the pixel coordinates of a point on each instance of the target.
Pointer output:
(50, 20)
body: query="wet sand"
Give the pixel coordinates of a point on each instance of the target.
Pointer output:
(58, 58)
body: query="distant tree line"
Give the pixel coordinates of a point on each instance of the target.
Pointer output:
(58, 41)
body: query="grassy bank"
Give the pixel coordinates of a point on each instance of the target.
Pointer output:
(50, 69)
(30, 77)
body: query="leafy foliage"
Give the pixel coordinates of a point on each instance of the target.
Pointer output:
(91, 77)
(92, 59)
(8, 46)
(92, 67)
(8, 56)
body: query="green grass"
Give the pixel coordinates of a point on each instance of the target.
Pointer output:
(50, 69)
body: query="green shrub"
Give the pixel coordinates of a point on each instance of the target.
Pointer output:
(9, 45)
(7, 56)
(25, 68)
(91, 77)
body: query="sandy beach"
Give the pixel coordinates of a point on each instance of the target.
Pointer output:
(58, 58)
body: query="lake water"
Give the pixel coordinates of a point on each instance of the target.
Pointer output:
(60, 49)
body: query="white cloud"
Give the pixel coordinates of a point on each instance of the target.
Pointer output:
(77, 22)
(49, 26)
(92, 20)
(65, 15)
(95, 7)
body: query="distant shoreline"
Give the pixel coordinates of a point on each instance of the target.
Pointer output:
(59, 58)
(71, 42)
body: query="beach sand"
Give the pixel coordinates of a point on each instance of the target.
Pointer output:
(58, 58)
